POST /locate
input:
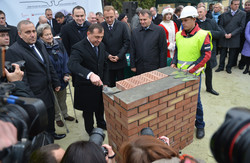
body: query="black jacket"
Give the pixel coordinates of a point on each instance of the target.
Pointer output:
(116, 42)
(56, 27)
(70, 34)
(211, 25)
(38, 76)
(13, 34)
(82, 61)
(148, 49)
(177, 21)
(158, 19)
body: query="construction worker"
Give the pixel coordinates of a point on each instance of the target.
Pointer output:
(193, 46)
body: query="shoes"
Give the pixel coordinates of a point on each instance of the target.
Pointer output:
(200, 133)
(60, 123)
(218, 70)
(58, 136)
(241, 67)
(213, 92)
(229, 71)
(69, 118)
(245, 72)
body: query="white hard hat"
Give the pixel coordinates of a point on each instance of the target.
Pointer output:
(167, 10)
(189, 11)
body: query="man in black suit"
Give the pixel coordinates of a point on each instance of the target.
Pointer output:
(39, 74)
(76, 30)
(116, 41)
(157, 18)
(55, 27)
(148, 46)
(176, 16)
(88, 63)
(13, 30)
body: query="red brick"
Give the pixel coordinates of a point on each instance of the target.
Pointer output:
(176, 88)
(117, 99)
(106, 103)
(145, 125)
(132, 125)
(158, 95)
(121, 120)
(153, 122)
(184, 91)
(182, 114)
(154, 127)
(134, 104)
(158, 108)
(195, 98)
(181, 124)
(166, 110)
(193, 109)
(166, 122)
(120, 109)
(132, 112)
(192, 82)
(180, 135)
(192, 93)
(189, 116)
(174, 133)
(162, 128)
(167, 98)
(148, 118)
(174, 112)
(174, 123)
(187, 126)
(113, 109)
(196, 86)
(162, 118)
(183, 102)
(191, 104)
(169, 131)
(148, 105)
(186, 136)
(174, 101)
(132, 131)
(106, 97)
(138, 116)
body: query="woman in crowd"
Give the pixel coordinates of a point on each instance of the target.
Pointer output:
(88, 152)
(246, 49)
(59, 58)
(170, 28)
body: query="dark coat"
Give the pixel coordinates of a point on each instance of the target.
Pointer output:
(148, 49)
(234, 25)
(116, 42)
(158, 19)
(211, 25)
(70, 34)
(56, 27)
(59, 59)
(13, 34)
(82, 61)
(177, 21)
(38, 76)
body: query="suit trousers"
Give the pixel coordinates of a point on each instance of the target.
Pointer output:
(231, 58)
(51, 120)
(209, 74)
(61, 98)
(89, 119)
(115, 75)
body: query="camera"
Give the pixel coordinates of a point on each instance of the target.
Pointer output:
(231, 143)
(28, 115)
(10, 68)
(97, 136)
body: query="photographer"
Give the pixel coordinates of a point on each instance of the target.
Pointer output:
(88, 152)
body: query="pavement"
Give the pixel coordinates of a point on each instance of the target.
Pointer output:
(234, 91)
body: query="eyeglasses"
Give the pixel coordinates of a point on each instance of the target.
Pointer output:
(4, 35)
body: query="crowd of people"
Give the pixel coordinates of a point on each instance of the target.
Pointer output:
(92, 49)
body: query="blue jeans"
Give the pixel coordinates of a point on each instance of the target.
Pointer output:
(199, 122)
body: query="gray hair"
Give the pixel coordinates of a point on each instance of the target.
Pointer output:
(146, 11)
(41, 28)
(21, 23)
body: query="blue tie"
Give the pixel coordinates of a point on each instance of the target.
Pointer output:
(96, 50)
(37, 54)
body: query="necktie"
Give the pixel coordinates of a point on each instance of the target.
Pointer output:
(96, 50)
(110, 27)
(50, 22)
(34, 49)
(233, 13)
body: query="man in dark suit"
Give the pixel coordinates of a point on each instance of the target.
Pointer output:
(116, 41)
(157, 18)
(55, 27)
(88, 63)
(76, 30)
(176, 16)
(148, 46)
(13, 30)
(232, 24)
(210, 25)
(39, 74)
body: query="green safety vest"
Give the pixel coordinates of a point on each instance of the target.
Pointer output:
(189, 49)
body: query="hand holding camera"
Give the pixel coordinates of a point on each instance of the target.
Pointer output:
(17, 75)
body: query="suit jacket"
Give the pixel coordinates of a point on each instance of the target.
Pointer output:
(177, 21)
(38, 76)
(234, 25)
(70, 34)
(13, 34)
(212, 26)
(82, 61)
(157, 20)
(116, 42)
(56, 27)
(148, 49)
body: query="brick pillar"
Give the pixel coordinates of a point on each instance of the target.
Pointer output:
(166, 105)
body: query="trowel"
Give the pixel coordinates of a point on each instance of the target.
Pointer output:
(179, 71)
(184, 74)
(192, 76)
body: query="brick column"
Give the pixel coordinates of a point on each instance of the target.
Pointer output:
(166, 105)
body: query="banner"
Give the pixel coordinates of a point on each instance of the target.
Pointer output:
(17, 10)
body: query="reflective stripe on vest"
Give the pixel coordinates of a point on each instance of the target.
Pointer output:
(189, 49)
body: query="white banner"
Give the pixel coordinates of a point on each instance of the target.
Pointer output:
(17, 10)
